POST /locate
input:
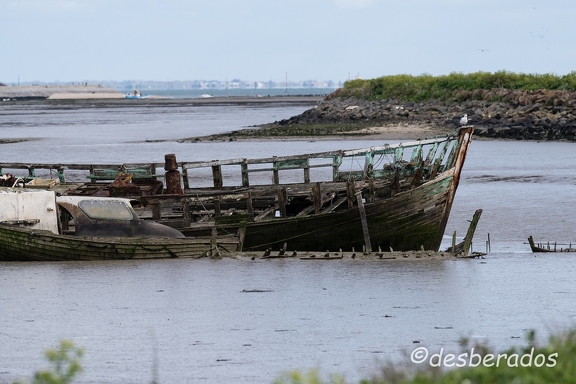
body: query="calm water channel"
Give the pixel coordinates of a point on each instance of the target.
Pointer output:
(205, 321)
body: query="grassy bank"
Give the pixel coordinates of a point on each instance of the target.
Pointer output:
(427, 87)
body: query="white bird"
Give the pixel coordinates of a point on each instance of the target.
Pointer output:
(464, 120)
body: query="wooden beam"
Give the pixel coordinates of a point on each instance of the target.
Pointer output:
(282, 201)
(317, 197)
(364, 221)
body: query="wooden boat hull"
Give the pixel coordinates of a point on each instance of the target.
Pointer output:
(22, 244)
(540, 248)
(407, 221)
(391, 196)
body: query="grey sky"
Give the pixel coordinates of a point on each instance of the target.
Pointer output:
(260, 40)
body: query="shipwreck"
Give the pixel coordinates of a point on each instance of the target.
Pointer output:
(389, 197)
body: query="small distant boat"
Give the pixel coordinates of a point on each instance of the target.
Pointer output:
(206, 96)
(541, 248)
(135, 95)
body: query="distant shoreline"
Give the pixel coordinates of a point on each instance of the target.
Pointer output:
(95, 93)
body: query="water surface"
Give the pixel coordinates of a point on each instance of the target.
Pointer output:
(208, 321)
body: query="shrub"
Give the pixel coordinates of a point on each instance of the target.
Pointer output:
(65, 365)
(427, 87)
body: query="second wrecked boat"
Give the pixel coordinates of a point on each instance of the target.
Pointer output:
(37, 225)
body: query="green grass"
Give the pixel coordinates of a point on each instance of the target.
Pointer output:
(554, 362)
(427, 87)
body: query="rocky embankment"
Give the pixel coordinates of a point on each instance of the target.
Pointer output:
(501, 113)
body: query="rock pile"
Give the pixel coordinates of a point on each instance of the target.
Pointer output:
(499, 113)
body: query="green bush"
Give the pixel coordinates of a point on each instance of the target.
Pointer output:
(427, 87)
(65, 365)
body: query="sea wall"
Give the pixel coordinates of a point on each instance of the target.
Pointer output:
(500, 113)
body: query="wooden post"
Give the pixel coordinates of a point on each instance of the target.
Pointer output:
(470, 234)
(217, 176)
(244, 172)
(170, 163)
(364, 220)
(185, 177)
(249, 206)
(172, 175)
(371, 191)
(276, 176)
(173, 186)
(156, 210)
(317, 197)
(241, 235)
(350, 192)
(307, 171)
(92, 169)
(217, 207)
(282, 200)
(186, 212)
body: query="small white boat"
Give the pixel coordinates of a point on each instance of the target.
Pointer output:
(135, 95)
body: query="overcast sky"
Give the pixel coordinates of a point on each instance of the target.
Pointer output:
(261, 40)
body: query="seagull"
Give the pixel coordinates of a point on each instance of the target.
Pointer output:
(464, 120)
